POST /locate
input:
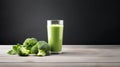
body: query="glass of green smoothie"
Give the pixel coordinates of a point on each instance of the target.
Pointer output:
(55, 35)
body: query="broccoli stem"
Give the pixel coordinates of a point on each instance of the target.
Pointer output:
(41, 53)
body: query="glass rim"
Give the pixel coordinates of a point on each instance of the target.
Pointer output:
(55, 20)
(49, 22)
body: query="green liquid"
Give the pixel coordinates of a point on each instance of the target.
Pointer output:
(55, 37)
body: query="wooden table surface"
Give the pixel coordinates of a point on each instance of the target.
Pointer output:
(72, 56)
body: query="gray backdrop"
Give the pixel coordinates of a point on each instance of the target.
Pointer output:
(86, 21)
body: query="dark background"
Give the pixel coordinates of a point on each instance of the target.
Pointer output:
(86, 21)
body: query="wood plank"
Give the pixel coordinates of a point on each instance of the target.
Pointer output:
(71, 53)
(59, 64)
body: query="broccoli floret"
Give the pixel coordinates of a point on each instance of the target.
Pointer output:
(41, 53)
(29, 43)
(14, 49)
(23, 51)
(42, 45)
(34, 49)
(12, 52)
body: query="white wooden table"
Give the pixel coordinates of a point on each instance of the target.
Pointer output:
(72, 56)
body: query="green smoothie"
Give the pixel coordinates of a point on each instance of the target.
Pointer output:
(55, 37)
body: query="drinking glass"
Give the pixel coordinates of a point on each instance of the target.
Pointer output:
(55, 35)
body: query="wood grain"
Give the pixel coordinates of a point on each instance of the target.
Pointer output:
(59, 64)
(72, 56)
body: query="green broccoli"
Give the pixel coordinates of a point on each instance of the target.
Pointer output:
(12, 52)
(23, 51)
(42, 45)
(14, 49)
(34, 49)
(29, 43)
